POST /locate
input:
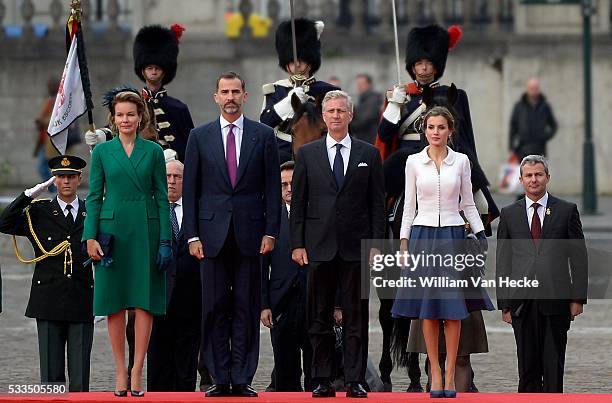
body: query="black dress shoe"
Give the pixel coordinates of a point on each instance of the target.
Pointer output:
(243, 391)
(218, 391)
(324, 390)
(354, 389)
(415, 388)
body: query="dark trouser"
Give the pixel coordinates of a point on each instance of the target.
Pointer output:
(231, 306)
(174, 346)
(291, 344)
(540, 347)
(324, 278)
(58, 338)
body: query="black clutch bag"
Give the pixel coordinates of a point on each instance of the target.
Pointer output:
(106, 243)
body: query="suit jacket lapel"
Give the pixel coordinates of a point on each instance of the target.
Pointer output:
(354, 157)
(217, 150)
(547, 217)
(80, 219)
(138, 152)
(249, 138)
(118, 153)
(522, 218)
(324, 161)
(57, 212)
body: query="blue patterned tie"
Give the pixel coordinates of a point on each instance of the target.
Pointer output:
(174, 221)
(339, 166)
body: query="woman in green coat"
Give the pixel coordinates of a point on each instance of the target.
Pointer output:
(128, 199)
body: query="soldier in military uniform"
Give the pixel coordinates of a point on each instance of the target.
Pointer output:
(276, 110)
(61, 296)
(155, 53)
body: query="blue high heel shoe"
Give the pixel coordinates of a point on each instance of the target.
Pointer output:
(450, 393)
(436, 394)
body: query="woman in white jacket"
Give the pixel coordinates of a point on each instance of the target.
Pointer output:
(438, 183)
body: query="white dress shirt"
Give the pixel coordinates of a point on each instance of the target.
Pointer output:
(440, 196)
(238, 130)
(528, 207)
(344, 151)
(178, 210)
(74, 204)
(288, 206)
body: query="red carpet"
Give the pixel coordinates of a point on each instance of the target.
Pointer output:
(305, 397)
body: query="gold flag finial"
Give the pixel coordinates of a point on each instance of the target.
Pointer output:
(75, 9)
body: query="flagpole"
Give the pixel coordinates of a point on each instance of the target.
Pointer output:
(76, 11)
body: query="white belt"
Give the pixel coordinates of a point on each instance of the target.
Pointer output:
(412, 136)
(283, 136)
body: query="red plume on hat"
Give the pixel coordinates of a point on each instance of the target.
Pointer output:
(178, 30)
(454, 35)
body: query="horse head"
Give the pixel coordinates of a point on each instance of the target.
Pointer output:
(431, 99)
(307, 124)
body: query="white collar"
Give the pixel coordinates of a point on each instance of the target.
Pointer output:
(450, 157)
(179, 202)
(330, 142)
(63, 204)
(239, 123)
(542, 202)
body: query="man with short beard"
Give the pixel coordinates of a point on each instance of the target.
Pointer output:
(232, 214)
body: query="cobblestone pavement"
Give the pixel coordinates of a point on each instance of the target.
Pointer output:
(588, 364)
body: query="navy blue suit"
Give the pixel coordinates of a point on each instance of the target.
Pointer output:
(231, 223)
(172, 358)
(283, 290)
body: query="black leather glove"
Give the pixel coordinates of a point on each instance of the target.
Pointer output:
(482, 239)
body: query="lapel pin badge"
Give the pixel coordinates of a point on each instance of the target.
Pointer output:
(55, 212)
(547, 211)
(84, 214)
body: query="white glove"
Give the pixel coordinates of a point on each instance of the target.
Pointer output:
(39, 189)
(398, 95)
(93, 138)
(396, 98)
(283, 107)
(170, 155)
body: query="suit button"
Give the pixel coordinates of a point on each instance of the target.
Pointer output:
(49, 238)
(69, 275)
(38, 282)
(68, 237)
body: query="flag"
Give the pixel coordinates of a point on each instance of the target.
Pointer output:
(73, 95)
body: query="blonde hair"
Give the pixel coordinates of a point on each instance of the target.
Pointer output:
(141, 109)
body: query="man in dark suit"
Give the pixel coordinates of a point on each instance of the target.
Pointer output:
(175, 338)
(540, 238)
(338, 200)
(283, 303)
(232, 216)
(61, 297)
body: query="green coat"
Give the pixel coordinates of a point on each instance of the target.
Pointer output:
(128, 198)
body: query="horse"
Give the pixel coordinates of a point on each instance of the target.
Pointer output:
(307, 124)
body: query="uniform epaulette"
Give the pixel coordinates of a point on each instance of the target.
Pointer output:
(285, 82)
(267, 88)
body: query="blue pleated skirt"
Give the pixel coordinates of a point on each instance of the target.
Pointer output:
(436, 295)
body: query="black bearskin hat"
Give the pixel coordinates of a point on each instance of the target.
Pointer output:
(157, 45)
(307, 33)
(432, 43)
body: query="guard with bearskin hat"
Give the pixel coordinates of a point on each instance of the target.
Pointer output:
(277, 111)
(155, 62)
